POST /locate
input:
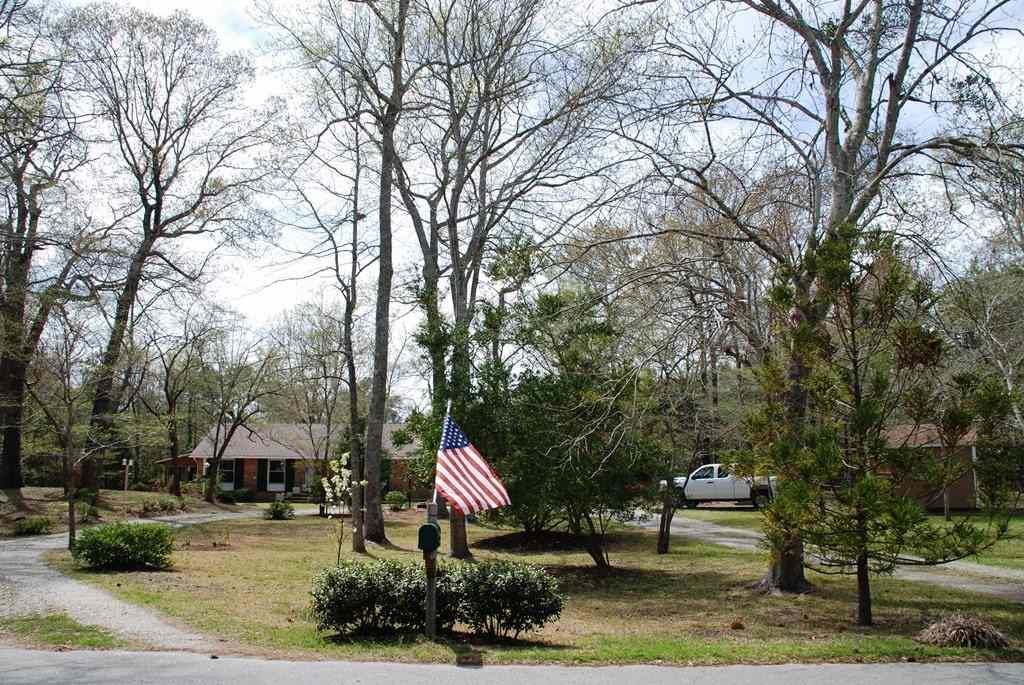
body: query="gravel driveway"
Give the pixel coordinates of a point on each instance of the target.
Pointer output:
(1005, 583)
(28, 585)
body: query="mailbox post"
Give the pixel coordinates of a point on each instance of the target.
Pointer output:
(429, 540)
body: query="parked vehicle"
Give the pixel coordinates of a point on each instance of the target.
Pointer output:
(716, 483)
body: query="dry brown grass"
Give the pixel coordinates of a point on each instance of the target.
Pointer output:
(113, 505)
(959, 630)
(248, 582)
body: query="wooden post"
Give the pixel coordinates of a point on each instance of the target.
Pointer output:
(430, 563)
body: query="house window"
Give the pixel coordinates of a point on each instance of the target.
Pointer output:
(275, 474)
(227, 472)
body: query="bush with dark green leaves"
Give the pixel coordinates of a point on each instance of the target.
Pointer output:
(279, 510)
(32, 525)
(502, 599)
(122, 546)
(381, 597)
(396, 500)
(495, 599)
(86, 512)
(169, 504)
(234, 496)
(86, 495)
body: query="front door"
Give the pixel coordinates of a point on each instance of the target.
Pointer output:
(275, 475)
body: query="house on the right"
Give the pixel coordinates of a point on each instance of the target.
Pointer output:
(963, 492)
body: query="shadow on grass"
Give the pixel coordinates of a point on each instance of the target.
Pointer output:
(545, 542)
(467, 651)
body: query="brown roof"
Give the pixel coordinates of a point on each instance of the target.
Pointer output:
(922, 435)
(289, 441)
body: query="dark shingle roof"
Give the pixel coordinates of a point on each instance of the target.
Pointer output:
(289, 441)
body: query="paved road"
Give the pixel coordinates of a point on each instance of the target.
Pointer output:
(27, 667)
(29, 586)
(1005, 583)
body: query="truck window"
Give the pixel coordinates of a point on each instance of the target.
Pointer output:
(723, 471)
(704, 472)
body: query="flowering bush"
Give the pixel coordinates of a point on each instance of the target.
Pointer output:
(338, 485)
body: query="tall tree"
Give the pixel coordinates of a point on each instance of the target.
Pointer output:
(825, 106)
(44, 233)
(182, 138)
(500, 145)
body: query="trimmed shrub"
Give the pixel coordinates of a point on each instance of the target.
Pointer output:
(503, 599)
(234, 496)
(381, 597)
(86, 512)
(118, 546)
(170, 504)
(90, 496)
(396, 500)
(279, 510)
(243, 495)
(32, 525)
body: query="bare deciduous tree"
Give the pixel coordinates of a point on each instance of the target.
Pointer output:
(186, 144)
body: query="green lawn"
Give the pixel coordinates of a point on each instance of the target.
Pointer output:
(247, 582)
(740, 517)
(58, 630)
(1007, 553)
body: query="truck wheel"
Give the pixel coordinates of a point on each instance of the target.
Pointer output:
(760, 500)
(691, 503)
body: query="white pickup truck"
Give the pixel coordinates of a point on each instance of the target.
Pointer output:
(716, 483)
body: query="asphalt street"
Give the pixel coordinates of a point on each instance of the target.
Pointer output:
(30, 667)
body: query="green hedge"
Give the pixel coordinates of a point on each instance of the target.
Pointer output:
(119, 546)
(494, 599)
(396, 500)
(503, 599)
(279, 510)
(32, 525)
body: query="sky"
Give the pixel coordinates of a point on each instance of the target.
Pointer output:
(261, 286)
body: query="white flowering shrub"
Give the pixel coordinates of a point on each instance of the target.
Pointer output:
(338, 484)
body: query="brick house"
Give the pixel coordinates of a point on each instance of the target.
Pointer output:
(963, 492)
(281, 458)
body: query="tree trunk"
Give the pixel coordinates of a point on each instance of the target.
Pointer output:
(174, 447)
(459, 541)
(786, 573)
(13, 367)
(212, 471)
(595, 548)
(864, 617)
(105, 397)
(945, 504)
(72, 523)
(668, 511)
(374, 519)
(12, 407)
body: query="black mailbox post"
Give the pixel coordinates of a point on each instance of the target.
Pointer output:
(429, 537)
(429, 540)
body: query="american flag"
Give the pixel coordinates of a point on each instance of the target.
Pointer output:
(464, 478)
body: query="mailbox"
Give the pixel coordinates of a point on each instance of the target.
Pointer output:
(429, 537)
